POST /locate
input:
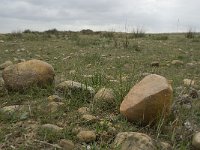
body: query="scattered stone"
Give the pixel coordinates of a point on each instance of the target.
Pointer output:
(165, 146)
(177, 62)
(105, 98)
(54, 106)
(86, 136)
(1, 41)
(188, 82)
(74, 88)
(191, 65)
(66, 144)
(52, 127)
(76, 130)
(196, 140)
(26, 74)
(88, 65)
(155, 64)
(148, 100)
(188, 126)
(5, 64)
(133, 141)
(54, 98)
(10, 109)
(89, 118)
(83, 110)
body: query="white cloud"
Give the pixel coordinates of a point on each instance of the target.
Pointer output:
(153, 15)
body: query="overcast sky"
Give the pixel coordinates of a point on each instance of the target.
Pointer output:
(111, 15)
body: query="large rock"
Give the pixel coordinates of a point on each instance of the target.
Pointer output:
(148, 100)
(26, 74)
(73, 88)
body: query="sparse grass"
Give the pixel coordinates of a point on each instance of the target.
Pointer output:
(99, 60)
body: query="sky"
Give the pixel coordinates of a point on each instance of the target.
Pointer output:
(152, 16)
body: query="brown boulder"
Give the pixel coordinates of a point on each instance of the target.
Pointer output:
(26, 74)
(148, 100)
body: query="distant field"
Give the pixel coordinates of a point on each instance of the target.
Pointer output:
(100, 59)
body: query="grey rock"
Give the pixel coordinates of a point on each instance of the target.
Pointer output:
(73, 88)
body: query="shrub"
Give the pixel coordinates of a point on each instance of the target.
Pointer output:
(190, 34)
(87, 31)
(138, 33)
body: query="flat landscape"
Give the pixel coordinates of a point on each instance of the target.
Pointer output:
(111, 60)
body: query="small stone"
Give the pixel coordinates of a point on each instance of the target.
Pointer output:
(105, 98)
(133, 141)
(54, 106)
(89, 118)
(155, 64)
(66, 144)
(83, 110)
(10, 109)
(165, 146)
(54, 98)
(1, 41)
(177, 62)
(188, 82)
(5, 64)
(52, 127)
(112, 130)
(196, 140)
(86, 136)
(89, 66)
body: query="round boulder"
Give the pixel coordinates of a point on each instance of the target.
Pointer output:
(26, 74)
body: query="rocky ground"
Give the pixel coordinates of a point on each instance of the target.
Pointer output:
(99, 91)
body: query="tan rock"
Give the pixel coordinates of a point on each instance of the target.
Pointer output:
(26, 74)
(54, 106)
(89, 118)
(52, 127)
(196, 140)
(133, 141)
(83, 110)
(54, 98)
(148, 100)
(66, 144)
(177, 62)
(165, 146)
(5, 64)
(86, 136)
(105, 96)
(10, 109)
